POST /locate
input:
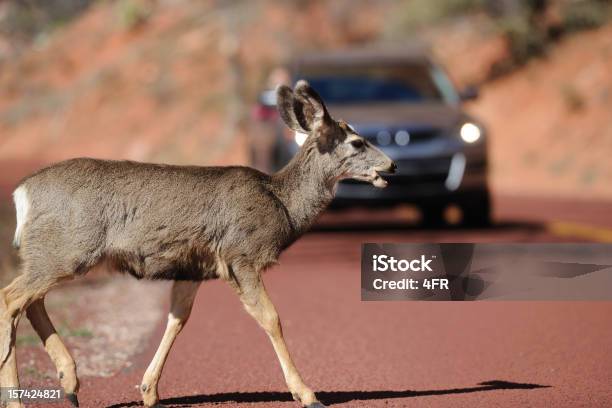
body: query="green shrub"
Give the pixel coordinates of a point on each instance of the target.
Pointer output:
(412, 14)
(132, 13)
(574, 100)
(27, 19)
(585, 14)
(524, 40)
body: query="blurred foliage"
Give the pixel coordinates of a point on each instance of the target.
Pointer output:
(583, 15)
(532, 28)
(132, 13)
(414, 14)
(573, 99)
(528, 27)
(524, 41)
(25, 19)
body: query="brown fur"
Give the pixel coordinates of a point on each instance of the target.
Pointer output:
(182, 223)
(152, 221)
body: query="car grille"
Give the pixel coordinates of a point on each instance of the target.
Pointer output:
(423, 166)
(418, 135)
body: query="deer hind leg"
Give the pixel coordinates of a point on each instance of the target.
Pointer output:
(9, 377)
(63, 361)
(8, 364)
(258, 304)
(181, 302)
(14, 299)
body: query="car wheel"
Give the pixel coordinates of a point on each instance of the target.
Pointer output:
(477, 210)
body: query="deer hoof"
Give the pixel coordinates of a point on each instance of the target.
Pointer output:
(316, 405)
(73, 399)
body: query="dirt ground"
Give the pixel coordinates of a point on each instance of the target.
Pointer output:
(550, 123)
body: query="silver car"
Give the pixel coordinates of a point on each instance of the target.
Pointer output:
(403, 102)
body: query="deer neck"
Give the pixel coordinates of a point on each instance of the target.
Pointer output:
(305, 186)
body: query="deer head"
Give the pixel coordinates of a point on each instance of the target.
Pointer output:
(340, 151)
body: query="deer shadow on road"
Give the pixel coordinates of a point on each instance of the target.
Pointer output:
(332, 397)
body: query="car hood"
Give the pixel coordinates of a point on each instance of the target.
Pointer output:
(440, 115)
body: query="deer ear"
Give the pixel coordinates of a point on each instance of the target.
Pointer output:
(312, 109)
(286, 105)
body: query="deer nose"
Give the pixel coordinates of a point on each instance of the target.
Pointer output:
(392, 168)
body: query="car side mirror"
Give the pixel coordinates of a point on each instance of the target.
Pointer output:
(469, 93)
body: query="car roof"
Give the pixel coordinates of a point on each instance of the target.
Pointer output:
(414, 53)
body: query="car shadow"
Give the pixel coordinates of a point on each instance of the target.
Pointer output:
(531, 227)
(333, 397)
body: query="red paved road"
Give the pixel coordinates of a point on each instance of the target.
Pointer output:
(393, 354)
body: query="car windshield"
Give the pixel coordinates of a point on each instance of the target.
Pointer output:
(415, 83)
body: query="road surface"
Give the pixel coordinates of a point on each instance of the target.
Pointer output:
(391, 354)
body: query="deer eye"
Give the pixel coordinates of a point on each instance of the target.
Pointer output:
(357, 143)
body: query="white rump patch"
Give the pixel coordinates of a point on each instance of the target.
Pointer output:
(22, 207)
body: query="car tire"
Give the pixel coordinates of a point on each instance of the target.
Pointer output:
(477, 209)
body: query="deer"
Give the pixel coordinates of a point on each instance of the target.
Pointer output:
(186, 224)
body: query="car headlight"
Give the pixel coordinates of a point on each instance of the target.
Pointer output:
(300, 138)
(470, 132)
